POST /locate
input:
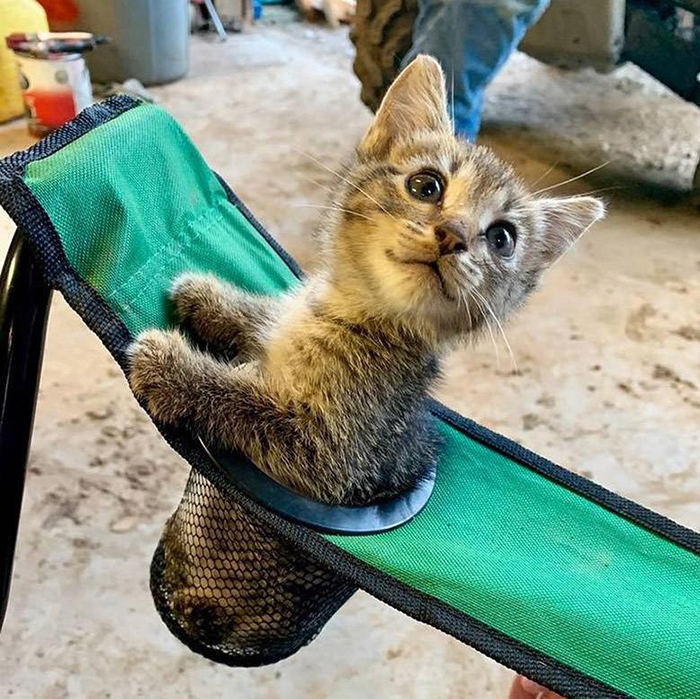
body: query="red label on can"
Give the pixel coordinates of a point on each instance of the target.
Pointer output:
(51, 109)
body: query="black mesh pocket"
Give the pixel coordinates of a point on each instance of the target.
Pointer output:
(232, 590)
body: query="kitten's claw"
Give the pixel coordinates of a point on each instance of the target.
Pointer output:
(154, 360)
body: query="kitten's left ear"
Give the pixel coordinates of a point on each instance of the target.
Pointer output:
(566, 219)
(416, 101)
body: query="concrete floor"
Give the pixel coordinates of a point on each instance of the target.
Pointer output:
(608, 381)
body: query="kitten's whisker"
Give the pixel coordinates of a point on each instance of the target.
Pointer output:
(573, 179)
(488, 327)
(500, 327)
(469, 313)
(493, 339)
(346, 180)
(328, 188)
(541, 177)
(331, 208)
(602, 189)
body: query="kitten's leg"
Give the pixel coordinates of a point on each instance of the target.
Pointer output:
(180, 383)
(222, 315)
(226, 404)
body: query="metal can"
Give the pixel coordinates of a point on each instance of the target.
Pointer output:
(54, 77)
(55, 88)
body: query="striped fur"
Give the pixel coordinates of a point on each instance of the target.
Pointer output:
(328, 389)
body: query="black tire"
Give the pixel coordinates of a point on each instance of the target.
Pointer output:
(382, 33)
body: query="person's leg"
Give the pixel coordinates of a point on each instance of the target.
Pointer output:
(472, 40)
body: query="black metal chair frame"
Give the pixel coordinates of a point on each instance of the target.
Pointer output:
(24, 310)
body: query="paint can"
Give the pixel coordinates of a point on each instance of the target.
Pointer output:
(54, 78)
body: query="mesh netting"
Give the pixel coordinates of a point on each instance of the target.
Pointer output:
(231, 589)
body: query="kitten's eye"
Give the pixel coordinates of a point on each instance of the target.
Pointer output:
(501, 238)
(426, 186)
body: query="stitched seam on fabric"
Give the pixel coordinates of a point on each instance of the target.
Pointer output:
(179, 248)
(141, 271)
(288, 260)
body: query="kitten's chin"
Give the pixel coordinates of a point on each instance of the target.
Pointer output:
(419, 295)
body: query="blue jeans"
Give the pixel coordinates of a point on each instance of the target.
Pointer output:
(472, 40)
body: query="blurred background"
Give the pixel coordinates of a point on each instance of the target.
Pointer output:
(275, 95)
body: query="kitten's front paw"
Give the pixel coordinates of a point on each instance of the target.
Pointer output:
(155, 361)
(192, 294)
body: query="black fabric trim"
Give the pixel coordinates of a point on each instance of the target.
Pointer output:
(648, 519)
(36, 225)
(19, 202)
(96, 115)
(286, 257)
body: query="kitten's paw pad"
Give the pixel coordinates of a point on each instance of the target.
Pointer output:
(154, 358)
(190, 292)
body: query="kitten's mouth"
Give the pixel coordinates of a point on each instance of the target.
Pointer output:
(432, 265)
(436, 270)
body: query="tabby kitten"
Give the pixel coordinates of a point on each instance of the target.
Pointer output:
(431, 238)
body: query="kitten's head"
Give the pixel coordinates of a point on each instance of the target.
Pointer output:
(436, 232)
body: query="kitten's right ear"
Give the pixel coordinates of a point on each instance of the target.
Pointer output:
(416, 101)
(566, 219)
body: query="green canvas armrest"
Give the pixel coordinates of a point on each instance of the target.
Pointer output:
(539, 568)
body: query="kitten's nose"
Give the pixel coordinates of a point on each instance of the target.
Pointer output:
(450, 238)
